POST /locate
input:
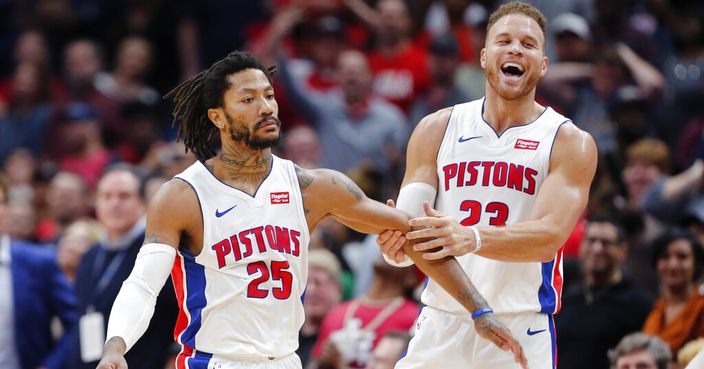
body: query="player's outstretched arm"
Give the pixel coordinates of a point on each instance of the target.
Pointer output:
(328, 192)
(134, 305)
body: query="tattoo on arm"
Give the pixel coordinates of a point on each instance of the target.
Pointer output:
(304, 179)
(474, 297)
(349, 185)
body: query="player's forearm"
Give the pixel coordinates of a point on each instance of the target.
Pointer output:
(372, 217)
(523, 242)
(451, 277)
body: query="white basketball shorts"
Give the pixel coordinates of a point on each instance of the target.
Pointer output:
(449, 341)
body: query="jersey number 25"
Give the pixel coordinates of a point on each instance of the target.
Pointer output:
(279, 272)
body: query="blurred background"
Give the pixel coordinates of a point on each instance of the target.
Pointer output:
(81, 86)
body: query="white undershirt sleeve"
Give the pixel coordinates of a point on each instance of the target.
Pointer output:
(410, 200)
(134, 306)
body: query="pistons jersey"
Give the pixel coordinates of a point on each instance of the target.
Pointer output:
(486, 179)
(240, 297)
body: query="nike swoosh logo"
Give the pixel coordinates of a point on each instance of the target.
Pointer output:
(219, 213)
(531, 333)
(462, 139)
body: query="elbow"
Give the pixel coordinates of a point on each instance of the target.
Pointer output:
(554, 241)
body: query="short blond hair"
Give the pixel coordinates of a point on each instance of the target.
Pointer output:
(519, 8)
(652, 151)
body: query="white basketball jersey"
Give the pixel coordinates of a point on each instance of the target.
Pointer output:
(491, 180)
(240, 298)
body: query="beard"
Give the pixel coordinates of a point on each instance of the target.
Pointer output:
(241, 133)
(493, 77)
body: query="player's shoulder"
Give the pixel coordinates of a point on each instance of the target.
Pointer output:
(174, 195)
(435, 120)
(574, 147)
(432, 127)
(570, 135)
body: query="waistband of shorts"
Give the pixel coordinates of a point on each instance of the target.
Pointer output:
(252, 358)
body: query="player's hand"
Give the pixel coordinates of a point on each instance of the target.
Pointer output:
(391, 242)
(445, 234)
(112, 361)
(490, 328)
(113, 354)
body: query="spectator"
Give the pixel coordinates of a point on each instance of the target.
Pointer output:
(678, 315)
(572, 38)
(33, 291)
(84, 149)
(302, 146)
(314, 60)
(354, 125)
(32, 47)
(399, 65)
(26, 119)
(66, 202)
(585, 91)
(126, 82)
(323, 292)
(389, 350)
(352, 329)
(20, 168)
(78, 237)
(120, 209)
(456, 17)
(21, 221)
(443, 61)
(83, 62)
(596, 314)
(640, 351)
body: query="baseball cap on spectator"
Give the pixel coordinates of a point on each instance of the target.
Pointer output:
(627, 97)
(444, 44)
(325, 260)
(572, 23)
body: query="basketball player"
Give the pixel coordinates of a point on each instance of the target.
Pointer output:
(233, 230)
(509, 178)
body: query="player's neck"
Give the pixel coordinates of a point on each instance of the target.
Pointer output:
(502, 114)
(238, 162)
(245, 169)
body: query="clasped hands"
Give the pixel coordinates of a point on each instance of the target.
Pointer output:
(443, 235)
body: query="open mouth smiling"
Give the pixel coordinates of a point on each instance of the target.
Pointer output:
(512, 70)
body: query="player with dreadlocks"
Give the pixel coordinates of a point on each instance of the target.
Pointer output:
(233, 231)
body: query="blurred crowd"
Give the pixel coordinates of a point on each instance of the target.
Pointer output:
(86, 139)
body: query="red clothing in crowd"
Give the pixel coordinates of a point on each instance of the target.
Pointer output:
(399, 318)
(400, 78)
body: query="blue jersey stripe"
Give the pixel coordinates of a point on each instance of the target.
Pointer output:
(199, 361)
(546, 294)
(553, 340)
(195, 301)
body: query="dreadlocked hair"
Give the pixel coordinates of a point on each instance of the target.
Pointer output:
(206, 90)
